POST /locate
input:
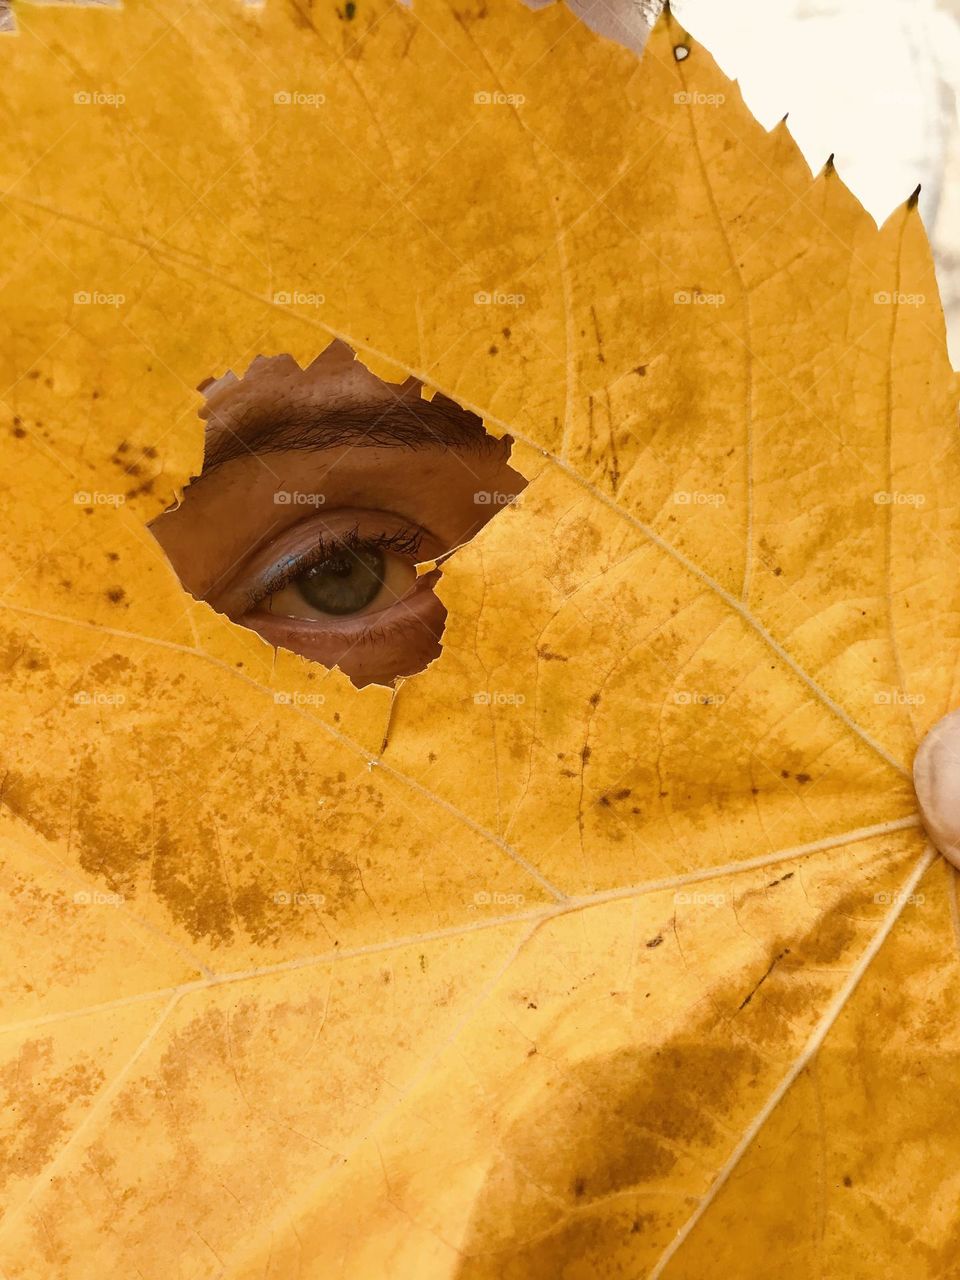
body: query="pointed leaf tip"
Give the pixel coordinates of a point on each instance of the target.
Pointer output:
(914, 199)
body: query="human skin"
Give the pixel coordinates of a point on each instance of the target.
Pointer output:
(328, 484)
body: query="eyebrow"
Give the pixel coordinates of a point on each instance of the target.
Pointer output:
(401, 425)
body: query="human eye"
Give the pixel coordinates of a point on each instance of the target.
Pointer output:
(343, 575)
(327, 504)
(346, 590)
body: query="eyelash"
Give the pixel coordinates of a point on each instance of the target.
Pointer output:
(404, 542)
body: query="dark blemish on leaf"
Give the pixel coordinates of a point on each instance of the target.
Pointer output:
(122, 447)
(33, 375)
(150, 451)
(755, 791)
(847, 1180)
(531, 1004)
(116, 594)
(94, 394)
(776, 959)
(88, 511)
(585, 754)
(112, 555)
(803, 777)
(336, 717)
(777, 572)
(579, 1187)
(423, 964)
(505, 332)
(544, 653)
(594, 699)
(655, 942)
(784, 773)
(493, 351)
(19, 432)
(641, 371)
(432, 757)
(788, 876)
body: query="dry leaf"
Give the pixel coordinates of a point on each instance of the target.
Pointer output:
(636, 965)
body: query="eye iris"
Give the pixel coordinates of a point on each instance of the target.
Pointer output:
(345, 582)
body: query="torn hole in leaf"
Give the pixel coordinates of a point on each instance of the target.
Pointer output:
(328, 501)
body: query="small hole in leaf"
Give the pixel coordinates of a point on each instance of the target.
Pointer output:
(326, 506)
(681, 51)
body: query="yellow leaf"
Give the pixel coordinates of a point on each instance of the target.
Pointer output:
(610, 944)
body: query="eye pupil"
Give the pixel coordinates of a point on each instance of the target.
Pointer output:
(344, 582)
